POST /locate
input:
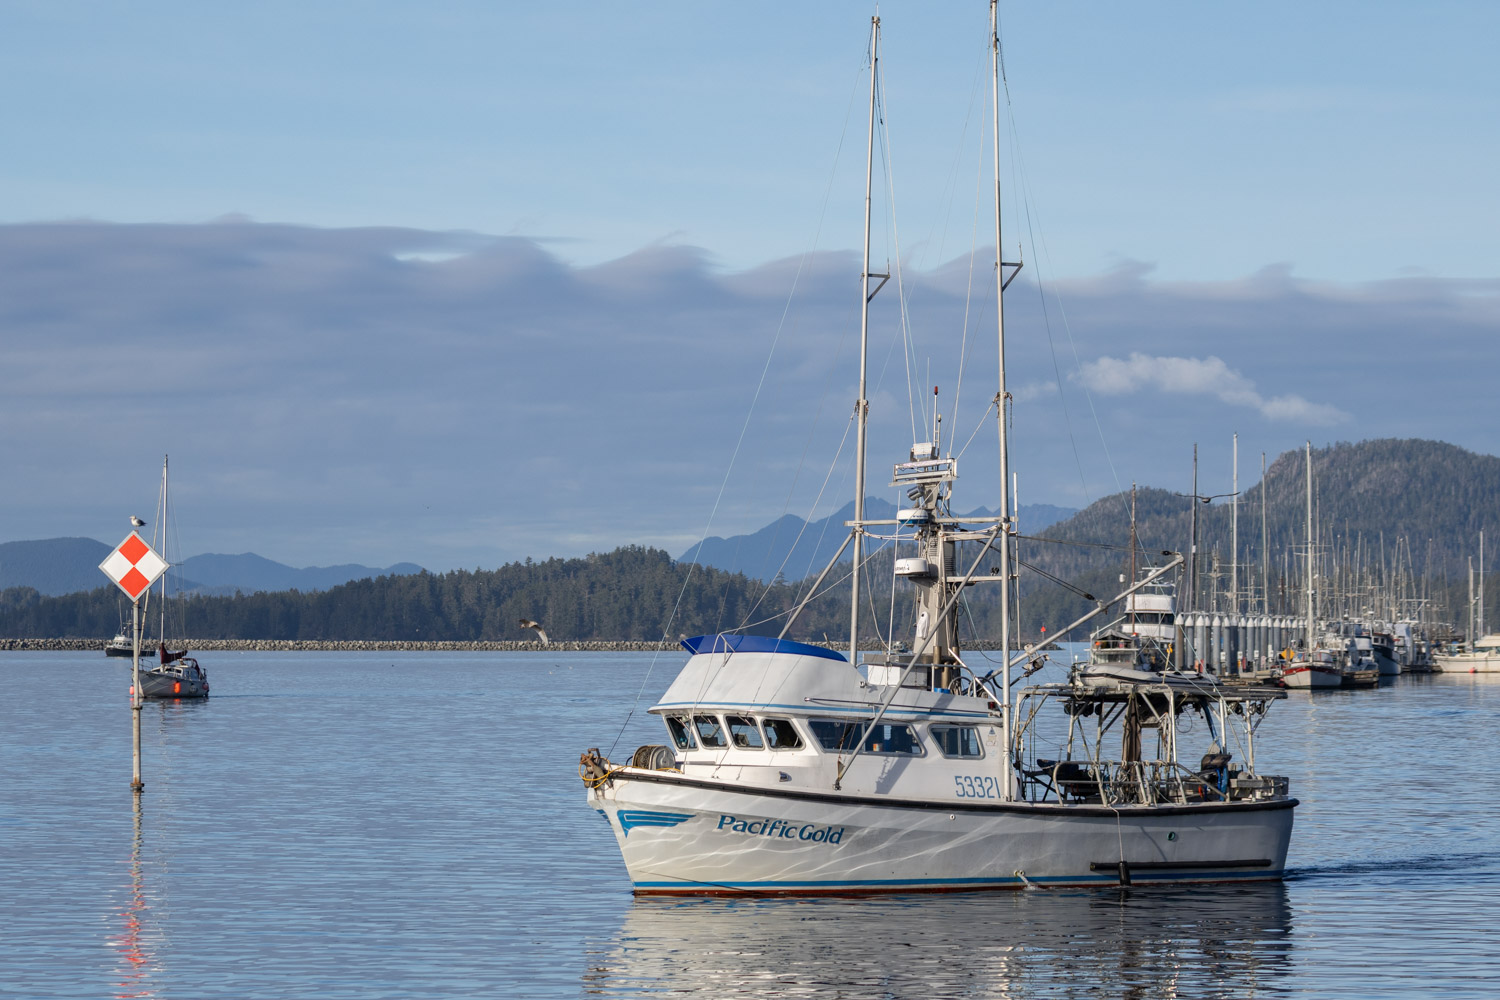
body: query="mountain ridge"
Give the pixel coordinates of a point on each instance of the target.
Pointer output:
(57, 566)
(791, 548)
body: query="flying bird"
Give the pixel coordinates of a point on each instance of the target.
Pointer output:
(137, 522)
(541, 633)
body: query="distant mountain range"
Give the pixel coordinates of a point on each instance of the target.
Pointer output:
(55, 566)
(1396, 517)
(794, 548)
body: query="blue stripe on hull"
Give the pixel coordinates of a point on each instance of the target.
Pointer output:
(917, 884)
(632, 818)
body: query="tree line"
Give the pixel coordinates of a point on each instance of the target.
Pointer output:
(1387, 508)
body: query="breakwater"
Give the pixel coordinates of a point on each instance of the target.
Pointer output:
(394, 645)
(376, 645)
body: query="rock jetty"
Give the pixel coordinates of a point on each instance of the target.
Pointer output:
(289, 645)
(383, 645)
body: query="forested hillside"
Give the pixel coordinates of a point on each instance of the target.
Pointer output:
(1395, 515)
(631, 593)
(1392, 516)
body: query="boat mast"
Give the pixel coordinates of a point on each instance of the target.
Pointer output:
(1234, 534)
(1002, 398)
(1193, 562)
(1470, 636)
(1132, 603)
(162, 521)
(1309, 554)
(862, 405)
(1265, 590)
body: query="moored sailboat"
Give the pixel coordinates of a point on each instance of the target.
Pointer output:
(790, 768)
(1483, 654)
(175, 674)
(1315, 667)
(1482, 657)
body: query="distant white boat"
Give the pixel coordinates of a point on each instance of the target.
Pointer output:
(1484, 658)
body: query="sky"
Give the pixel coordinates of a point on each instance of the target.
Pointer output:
(461, 284)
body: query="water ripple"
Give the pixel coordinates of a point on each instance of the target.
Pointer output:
(361, 825)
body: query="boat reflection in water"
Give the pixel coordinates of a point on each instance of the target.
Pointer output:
(1201, 942)
(134, 952)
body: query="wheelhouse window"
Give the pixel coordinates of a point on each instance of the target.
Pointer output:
(781, 734)
(842, 735)
(709, 733)
(958, 741)
(893, 737)
(743, 732)
(682, 736)
(838, 735)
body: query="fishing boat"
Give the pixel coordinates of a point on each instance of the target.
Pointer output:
(792, 768)
(1359, 664)
(1383, 653)
(1412, 648)
(1319, 668)
(1131, 651)
(1360, 670)
(121, 645)
(175, 674)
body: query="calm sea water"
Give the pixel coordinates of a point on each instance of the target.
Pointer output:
(377, 825)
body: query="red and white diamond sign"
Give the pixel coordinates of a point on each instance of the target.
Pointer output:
(133, 566)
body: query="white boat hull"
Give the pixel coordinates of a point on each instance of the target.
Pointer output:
(690, 836)
(1303, 677)
(1468, 663)
(169, 683)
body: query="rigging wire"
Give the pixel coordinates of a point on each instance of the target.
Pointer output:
(963, 351)
(984, 419)
(766, 590)
(1028, 201)
(1057, 580)
(775, 340)
(890, 198)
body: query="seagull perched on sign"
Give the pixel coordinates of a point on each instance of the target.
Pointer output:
(541, 633)
(137, 522)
